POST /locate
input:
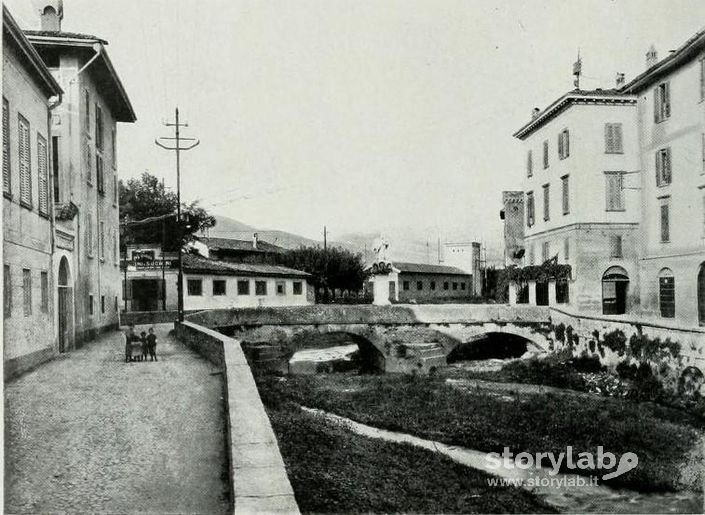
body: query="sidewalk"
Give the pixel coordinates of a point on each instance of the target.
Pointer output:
(89, 432)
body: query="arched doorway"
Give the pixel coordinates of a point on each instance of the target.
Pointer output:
(701, 295)
(615, 285)
(65, 306)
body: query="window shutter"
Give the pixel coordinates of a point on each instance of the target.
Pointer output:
(608, 137)
(617, 136)
(658, 168)
(25, 163)
(88, 160)
(667, 166)
(43, 175)
(566, 144)
(657, 110)
(6, 174)
(560, 145)
(665, 233)
(666, 100)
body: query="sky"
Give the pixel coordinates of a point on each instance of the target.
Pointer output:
(391, 116)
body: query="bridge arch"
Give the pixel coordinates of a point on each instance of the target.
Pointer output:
(491, 345)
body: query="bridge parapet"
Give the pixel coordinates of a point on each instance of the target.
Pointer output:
(368, 314)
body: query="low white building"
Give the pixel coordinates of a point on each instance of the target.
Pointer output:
(150, 282)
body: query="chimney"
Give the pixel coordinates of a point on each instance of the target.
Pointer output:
(51, 13)
(254, 240)
(535, 113)
(651, 57)
(620, 80)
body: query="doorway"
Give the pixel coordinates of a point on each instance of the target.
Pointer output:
(146, 294)
(65, 306)
(615, 285)
(701, 295)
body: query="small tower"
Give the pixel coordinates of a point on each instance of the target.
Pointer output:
(51, 12)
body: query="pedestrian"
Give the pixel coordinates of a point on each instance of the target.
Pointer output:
(152, 344)
(130, 336)
(143, 339)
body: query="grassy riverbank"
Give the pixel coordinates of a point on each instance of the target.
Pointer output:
(335, 471)
(431, 408)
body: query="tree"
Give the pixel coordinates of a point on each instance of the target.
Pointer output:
(146, 198)
(331, 269)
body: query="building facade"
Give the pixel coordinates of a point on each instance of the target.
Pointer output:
(238, 251)
(150, 282)
(614, 186)
(85, 177)
(671, 105)
(29, 94)
(416, 282)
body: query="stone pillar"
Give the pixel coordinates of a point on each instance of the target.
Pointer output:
(532, 293)
(380, 287)
(513, 289)
(552, 298)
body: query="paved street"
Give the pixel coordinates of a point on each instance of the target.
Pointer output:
(89, 432)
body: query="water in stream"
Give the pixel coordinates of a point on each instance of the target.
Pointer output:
(592, 498)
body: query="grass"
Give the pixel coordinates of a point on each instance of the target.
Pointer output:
(335, 471)
(430, 408)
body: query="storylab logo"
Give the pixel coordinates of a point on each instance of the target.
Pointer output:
(554, 463)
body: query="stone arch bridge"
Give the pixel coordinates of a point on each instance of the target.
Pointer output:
(409, 338)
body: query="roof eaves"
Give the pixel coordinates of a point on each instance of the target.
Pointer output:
(687, 50)
(567, 100)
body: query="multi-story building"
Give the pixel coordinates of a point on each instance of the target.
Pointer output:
(581, 152)
(615, 186)
(671, 106)
(85, 176)
(29, 92)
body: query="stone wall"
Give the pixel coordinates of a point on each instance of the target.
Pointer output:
(257, 473)
(592, 330)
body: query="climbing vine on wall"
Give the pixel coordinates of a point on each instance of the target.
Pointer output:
(544, 272)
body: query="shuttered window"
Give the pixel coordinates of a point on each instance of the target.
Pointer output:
(613, 138)
(43, 174)
(100, 173)
(545, 154)
(25, 155)
(614, 192)
(89, 233)
(88, 160)
(102, 240)
(529, 164)
(27, 291)
(565, 185)
(563, 144)
(545, 251)
(7, 291)
(44, 279)
(87, 110)
(530, 208)
(665, 227)
(662, 102)
(546, 202)
(6, 169)
(663, 167)
(566, 249)
(98, 128)
(616, 246)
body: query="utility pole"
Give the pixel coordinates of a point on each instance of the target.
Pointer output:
(178, 148)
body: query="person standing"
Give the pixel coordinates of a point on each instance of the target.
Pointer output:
(152, 344)
(130, 336)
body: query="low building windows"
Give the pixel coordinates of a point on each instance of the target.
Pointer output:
(281, 287)
(419, 285)
(91, 308)
(102, 303)
(194, 287)
(667, 293)
(219, 287)
(446, 285)
(455, 286)
(298, 288)
(462, 286)
(243, 287)
(432, 285)
(260, 288)
(405, 285)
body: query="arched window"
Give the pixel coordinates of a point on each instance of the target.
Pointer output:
(615, 284)
(667, 293)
